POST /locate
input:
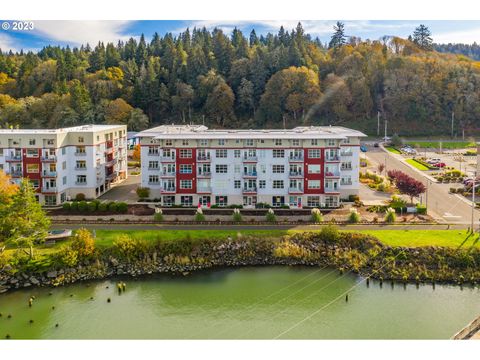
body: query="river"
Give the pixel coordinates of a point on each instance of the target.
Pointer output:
(242, 303)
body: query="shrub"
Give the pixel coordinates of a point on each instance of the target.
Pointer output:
(158, 216)
(112, 206)
(421, 209)
(74, 206)
(92, 206)
(103, 207)
(83, 243)
(143, 192)
(329, 234)
(390, 215)
(199, 215)
(397, 202)
(67, 256)
(122, 207)
(260, 205)
(66, 206)
(316, 215)
(353, 198)
(354, 216)
(128, 248)
(270, 217)
(237, 216)
(82, 206)
(80, 197)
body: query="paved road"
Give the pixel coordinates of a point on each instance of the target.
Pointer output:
(440, 202)
(125, 191)
(254, 227)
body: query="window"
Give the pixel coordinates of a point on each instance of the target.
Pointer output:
(278, 153)
(221, 153)
(263, 168)
(221, 142)
(185, 184)
(185, 169)
(347, 165)
(314, 184)
(346, 180)
(81, 179)
(237, 184)
(313, 201)
(277, 142)
(221, 200)
(169, 142)
(168, 200)
(278, 169)
(31, 142)
(277, 184)
(153, 179)
(314, 142)
(262, 184)
(185, 142)
(50, 142)
(236, 153)
(169, 153)
(221, 169)
(186, 200)
(81, 164)
(81, 139)
(64, 165)
(80, 150)
(185, 153)
(32, 153)
(314, 169)
(346, 141)
(295, 142)
(33, 168)
(237, 169)
(314, 153)
(278, 201)
(64, 151)
(153, 164)
(35, 183)
(248, 142)
(331, 142)
(203, 142)
(64, 180)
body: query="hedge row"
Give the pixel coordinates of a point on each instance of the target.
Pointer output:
(96, 206)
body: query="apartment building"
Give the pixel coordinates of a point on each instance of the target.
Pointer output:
(302, 167)
(62, 163)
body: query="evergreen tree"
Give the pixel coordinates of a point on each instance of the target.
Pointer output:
(253, 38)
(422, 37)
(112, 57)
(338, 38)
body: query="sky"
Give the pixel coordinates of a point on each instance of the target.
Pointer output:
(76, 33)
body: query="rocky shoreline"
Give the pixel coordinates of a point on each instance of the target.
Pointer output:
(356, 253)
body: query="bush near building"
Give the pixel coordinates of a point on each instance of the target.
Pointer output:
(143, 192)
(84, 207)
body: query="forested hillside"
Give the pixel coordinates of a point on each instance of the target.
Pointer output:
(244, 81)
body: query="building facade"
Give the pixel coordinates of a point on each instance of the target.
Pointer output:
(62, 163)
(191, 165)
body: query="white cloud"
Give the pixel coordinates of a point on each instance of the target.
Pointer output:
(81, 32)
(7, 43)
(466, 37)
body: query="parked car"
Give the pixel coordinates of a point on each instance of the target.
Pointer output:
(434, 161)
(467, 181)
(376, 145)
(363, 148)
(439, 165)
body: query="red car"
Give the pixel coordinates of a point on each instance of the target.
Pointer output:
(439, 165)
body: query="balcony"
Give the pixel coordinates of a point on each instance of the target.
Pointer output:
(332, 158)
(295, 158)
(111, 176)
(80, 168)
(204, 189)
(249, 174)
(295, 190)
(249, 190)
(295, 174)
(153, 153)
(109, 151)
(168, 190)
(346, 153)
(167, 159)
(331, 189)
(16, 173)
(80, 153)
(153, 168)
(346, 182)
(250, 158)
(155, 183)
(51, 189)
(345, 168)
(110, 162)
(203, 158)
(167, 174)
(47, 173)
(204, 174)
(109, 144)
(49, 158)
(13, 158)
(332, 174)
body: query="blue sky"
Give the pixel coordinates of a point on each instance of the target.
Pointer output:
(75, 33)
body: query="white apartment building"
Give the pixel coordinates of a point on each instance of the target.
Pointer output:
(191, 165)
(62, 163)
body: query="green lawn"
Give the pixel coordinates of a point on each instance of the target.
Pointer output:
(416, 164)
(392, 150)
(445, 144)
(415, 238)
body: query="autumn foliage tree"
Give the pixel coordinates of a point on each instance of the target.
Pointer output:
(406, 184)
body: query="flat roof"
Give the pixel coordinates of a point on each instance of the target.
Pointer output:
(80, 128)
(201, 131)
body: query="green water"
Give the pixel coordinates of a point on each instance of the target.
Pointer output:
(244, 303)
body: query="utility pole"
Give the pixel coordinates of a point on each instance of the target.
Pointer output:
(378, 123)
(426, 196)
(453, 118)
(473, 196)
(385, 130)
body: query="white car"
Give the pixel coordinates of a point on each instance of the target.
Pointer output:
(434, 161)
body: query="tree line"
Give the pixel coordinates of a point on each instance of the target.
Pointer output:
(244, 81)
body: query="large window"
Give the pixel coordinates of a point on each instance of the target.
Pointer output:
(33, 168)
(278, 169)
(278, 153)
(221, 169)
(277, 184)
(236, 153)
(262, 184)
(313, 201)
(185, 169)
(153, 179)
(314, 184)
(186, 200)
(237, 184)
(185, 184)
(347, 165)
(81, 179)
(153, 150)
(32, 152)
(221, 153)
(221, 200)
(277, 142)
(81, 164)
(314, 153)
(185, 153)
(314, 169)
(153, 165)
(331, 142)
